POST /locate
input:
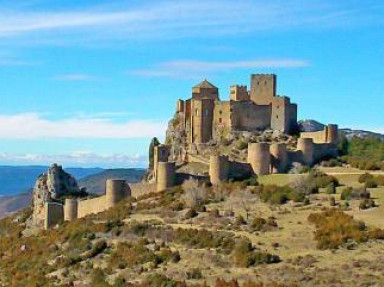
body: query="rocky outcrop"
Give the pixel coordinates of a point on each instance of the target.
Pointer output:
(54, 185)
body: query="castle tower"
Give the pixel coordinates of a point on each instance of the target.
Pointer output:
(70, 209)
(332, 134)
(307, 147)
(161, 153)
(205, 90)
(53, 214)
(218, 169)
(279, 160)
(239, 93)
(202, 120)
(259, 158)
(115, 191)
(165, 175)
(263, 88)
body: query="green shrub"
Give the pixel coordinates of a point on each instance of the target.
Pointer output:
(245, 255)
(366, 177)
(380, 180)
(277, 195)
(258, 224)
(261, 224)
(191, 213)
(351, 193)
(370, 183)
(366, 204)
(240, 145)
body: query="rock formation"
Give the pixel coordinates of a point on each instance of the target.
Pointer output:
(54, 185)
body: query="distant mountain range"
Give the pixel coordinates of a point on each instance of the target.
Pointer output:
(95, 183)
(19, 179)
(312, 126)
(17, 182)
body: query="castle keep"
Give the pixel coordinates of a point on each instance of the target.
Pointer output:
(204, 116)
(254, 132)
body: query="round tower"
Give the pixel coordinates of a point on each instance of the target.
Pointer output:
(332, 134)
(279, 160)
(165, 175)
(307, 147)
(259, 158)
(115, 191)
(218, 169)
(70, 209)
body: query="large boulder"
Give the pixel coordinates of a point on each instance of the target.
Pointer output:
(53, 185)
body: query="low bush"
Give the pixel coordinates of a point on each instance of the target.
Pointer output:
(261, 224)
(365, 177)
(277, 195)
(366, 204)
(370, 183)
(334, 229)
(354, 193)
(245, 255)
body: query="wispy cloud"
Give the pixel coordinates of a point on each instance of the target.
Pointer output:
(75, 78)
(35, 126)
(193, 69)
(83, 159)
(175, 19)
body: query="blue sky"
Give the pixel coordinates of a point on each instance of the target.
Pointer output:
(88, 83)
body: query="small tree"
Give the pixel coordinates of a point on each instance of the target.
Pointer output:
(154, 143)
(195, 195)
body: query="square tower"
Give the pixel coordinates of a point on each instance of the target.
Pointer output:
(239, 93)
(263, 88)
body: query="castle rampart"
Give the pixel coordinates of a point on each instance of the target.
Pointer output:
(165, 175)
(116, 190)
(279, 157)
(307, 148)
(53, 214)
(218, 169)
(70, 209)
(161, 153)
(259, 158)
(328, 135)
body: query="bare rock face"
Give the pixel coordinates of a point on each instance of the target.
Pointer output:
(54, 185)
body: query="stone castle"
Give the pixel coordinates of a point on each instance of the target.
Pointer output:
(204, 116)
(253, 133)
(264, 123)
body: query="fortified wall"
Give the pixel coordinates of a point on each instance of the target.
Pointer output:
(73, 208)
(262, 159)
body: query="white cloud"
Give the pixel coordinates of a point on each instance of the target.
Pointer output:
(193, 69)
(175, 19)
(34, 126)
(75, 77)
(83, 159)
